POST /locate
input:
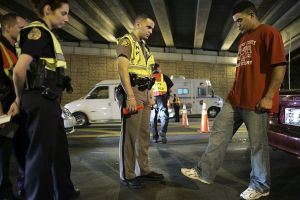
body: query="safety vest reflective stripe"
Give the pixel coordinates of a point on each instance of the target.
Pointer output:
(9, 59)
(160, 86)
(137, 62)
(59, 60)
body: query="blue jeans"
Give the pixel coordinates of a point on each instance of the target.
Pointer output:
(225, 126)
(162, 111)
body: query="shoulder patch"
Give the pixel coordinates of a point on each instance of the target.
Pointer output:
(125, 43)
(34, 34)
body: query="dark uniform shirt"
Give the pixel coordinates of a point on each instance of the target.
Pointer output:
(38, 44)
(4, 79)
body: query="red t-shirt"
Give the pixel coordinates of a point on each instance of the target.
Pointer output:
(259, 51)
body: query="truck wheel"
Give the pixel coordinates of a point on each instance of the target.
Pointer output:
(81, 119)
(212, 112)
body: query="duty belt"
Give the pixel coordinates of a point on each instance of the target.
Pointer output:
(142, 83)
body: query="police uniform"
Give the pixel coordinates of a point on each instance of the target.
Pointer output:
(161, 93)
(135, 140)
(176, 106)
(47, 159)
(8, 58)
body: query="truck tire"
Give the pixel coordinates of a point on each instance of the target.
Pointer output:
(81, 119)
(212, 112)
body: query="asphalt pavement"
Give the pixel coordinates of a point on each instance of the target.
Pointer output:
(94, 155)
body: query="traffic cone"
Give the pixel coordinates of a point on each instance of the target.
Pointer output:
(184, 120)
(204, 127)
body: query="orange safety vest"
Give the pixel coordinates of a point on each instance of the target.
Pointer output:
(9, 60)
(160, 86)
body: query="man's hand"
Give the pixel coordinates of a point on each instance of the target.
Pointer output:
(131, 105)
(264, 104)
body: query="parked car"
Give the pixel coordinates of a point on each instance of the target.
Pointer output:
(97, 106)
(284, 127)
(69, 120)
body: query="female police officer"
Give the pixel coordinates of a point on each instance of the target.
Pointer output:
(41, 63)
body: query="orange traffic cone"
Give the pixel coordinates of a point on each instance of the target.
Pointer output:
(204, 127)
(185, 121)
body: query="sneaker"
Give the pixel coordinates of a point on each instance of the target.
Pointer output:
(192, 174)
(250, 194)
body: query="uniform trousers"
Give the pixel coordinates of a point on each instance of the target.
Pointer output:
(46, 158)
(5, 153)
(135, 139)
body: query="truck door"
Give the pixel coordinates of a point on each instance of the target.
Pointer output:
(99, 104)
(201, 97)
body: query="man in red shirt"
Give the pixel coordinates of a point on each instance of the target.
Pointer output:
(260, 70)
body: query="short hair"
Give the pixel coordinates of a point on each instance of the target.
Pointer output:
(9, 19)
(244, 6)
(141, 17)
(155, 66)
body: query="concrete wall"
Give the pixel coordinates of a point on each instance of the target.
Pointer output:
(87, 70)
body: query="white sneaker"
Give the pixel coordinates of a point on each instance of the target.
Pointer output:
(191, 173)
(250, 194)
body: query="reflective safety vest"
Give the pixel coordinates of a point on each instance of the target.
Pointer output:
(160, 86)
(9, 60)
(177, 101)
(137, 63)
(51, 63)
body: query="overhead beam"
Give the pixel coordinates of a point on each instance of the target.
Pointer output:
(203, 10)
(119, 11)
(162, 19)
(288, 16)
(73, 27)
(291, 36)
(88, 11)
(4, 10)
(233, 33)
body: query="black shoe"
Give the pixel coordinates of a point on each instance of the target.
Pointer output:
(164, 140)
(75, 194)
(134, 183)
(152, 176)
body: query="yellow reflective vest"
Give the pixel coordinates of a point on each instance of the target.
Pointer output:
(137, 62)
(160, 86)
(51, 63)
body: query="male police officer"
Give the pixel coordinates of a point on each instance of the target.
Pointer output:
(134, 66)
(11, 25)
(161, 91)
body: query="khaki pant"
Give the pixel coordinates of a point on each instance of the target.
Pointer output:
(135, 139)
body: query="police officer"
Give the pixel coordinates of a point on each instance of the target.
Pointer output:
(134, 66)
(176, 106)
(41, 63)
(11, 25)
(161, 92)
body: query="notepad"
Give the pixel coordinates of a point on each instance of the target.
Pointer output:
(5, 119)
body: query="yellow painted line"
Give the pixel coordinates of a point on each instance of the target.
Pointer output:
(117, 134)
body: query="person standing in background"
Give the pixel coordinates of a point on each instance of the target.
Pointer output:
(261, 66)
(11, 24)
(176, 107)
(161, 93)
